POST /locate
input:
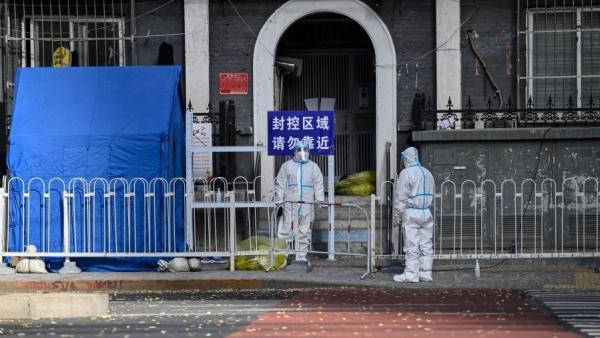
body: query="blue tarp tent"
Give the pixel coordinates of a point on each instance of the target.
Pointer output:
(108, 122)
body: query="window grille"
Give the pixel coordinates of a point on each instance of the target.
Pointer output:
(559, 41)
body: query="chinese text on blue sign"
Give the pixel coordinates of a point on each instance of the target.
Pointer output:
(314, 128)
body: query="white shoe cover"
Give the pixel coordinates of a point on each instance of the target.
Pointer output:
(402, 279)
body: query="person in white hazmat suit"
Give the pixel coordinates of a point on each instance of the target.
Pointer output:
(412, 201)
(299, 179)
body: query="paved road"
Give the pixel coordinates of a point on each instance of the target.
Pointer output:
(340, 312)
(214, 314)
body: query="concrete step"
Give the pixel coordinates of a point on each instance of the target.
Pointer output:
(52, 305)
(132, 282)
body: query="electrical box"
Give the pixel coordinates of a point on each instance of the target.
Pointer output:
(363, 97)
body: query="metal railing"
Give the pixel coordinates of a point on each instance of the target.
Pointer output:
(353, 211)
(132, 218)
(509, 116)
(507, 219)
(147, 218)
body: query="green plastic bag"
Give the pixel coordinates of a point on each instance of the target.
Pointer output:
(260, 262)
(367, 176)
(359, 184)
(361, 189)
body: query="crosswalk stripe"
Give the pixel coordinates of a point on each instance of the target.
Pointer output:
(579, 309)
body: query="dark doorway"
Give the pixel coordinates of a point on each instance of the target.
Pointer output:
(337, 61)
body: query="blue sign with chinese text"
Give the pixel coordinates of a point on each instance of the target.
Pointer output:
(314, 128)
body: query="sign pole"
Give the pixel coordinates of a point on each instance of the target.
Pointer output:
(189, 186)
(331, 200)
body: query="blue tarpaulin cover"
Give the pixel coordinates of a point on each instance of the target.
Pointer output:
(108, 122)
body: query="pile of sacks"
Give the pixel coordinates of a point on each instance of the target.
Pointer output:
(31, 265)
(252, 263)
(179, 264)
(359, 184)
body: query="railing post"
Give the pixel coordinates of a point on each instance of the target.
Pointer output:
(4, 270)
(232, 232)
(272, 231)
(189, 178)
(68, 266)
(331, 211)
(188, 217)
(370, 225)
(371, 244)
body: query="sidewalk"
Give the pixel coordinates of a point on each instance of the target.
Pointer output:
(325, 274)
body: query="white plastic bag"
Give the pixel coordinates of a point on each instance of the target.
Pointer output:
(447, 123)
(23, 266)
(163, 266)
(37, 265)
(179, 264)
(34, 265)
(195, 264)
(31, 265)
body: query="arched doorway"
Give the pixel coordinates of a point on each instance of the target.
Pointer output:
(264, 92)
(337, 61)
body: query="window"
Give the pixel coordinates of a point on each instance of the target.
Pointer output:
(563, 50)
(92, 42)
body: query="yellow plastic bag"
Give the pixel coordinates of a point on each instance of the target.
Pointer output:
(361, 189)
(260, 262)
(359, 184)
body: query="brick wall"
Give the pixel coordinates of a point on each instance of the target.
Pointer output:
(412, 26)
(495, 24)
(232, 49)
(166, 20)
(411, 23)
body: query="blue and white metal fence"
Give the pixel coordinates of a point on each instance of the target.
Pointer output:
(140, 218)
(506, 219)
(148, 218)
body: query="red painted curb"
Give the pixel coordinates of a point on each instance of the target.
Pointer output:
(8, 286)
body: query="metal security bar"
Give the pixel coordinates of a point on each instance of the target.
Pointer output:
(93, 31)
(558, 43)
(506, 219)
(510, 116)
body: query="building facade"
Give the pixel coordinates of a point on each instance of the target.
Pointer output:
(516, 81)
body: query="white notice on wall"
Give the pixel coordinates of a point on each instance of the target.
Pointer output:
(202, 162)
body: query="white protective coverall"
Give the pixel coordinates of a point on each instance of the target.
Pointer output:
(299, 179)
(412, 201)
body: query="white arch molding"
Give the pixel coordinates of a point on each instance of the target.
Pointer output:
(385, 58)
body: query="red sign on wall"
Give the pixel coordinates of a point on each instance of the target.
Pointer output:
(233, 83)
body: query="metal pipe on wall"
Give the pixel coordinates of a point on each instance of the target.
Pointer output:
(133, 33)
